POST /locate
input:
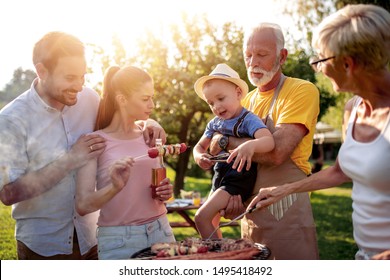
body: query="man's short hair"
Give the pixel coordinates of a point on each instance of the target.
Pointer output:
(55, 45)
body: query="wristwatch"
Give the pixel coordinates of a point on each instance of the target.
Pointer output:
(223, 142)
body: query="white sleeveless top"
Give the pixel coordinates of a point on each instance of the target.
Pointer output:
(368, 165)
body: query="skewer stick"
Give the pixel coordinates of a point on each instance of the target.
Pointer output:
(166, 150)
(139, 157)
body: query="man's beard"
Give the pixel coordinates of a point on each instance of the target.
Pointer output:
(267, 75)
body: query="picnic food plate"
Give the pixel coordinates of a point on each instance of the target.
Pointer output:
(179, 202)
(200, 249)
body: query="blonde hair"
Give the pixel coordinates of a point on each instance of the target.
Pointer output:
(117, 80)
(360, 31)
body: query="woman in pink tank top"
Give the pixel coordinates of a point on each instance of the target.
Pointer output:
(117, 184)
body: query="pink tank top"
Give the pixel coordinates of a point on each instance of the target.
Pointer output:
(134, 204)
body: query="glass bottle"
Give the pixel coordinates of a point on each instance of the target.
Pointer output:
(159, 173)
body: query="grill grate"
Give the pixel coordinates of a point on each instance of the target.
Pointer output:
(146, 254)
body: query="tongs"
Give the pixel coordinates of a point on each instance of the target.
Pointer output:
(231, 221)
(220, 158)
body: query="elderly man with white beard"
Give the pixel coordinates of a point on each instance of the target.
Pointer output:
(289, 107)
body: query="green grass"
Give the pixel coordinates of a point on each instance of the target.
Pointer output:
(332, 209)
(7, 229)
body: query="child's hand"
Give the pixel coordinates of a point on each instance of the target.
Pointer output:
(120, 172)
(204, 162)
(241, 155)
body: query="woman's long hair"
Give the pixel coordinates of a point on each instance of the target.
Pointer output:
(124, 80)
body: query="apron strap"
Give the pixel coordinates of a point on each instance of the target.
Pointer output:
(280, 207)
(276, 94)
(238, 124)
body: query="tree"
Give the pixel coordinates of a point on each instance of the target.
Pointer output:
(21, 81)
(194, 49)
(383, 3)
(308, 14)
(297, 65)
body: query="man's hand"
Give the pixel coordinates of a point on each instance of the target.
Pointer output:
(233, 208)
(152, 130)
(87, 147)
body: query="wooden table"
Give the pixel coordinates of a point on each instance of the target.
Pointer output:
(183, 212)
(183, 209)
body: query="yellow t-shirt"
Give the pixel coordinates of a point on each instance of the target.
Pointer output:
(298, 102)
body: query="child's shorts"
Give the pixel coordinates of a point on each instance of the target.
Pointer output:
(234, 182)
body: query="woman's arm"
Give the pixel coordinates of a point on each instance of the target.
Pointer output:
(88, 199)
(326, 178)
(152, 130)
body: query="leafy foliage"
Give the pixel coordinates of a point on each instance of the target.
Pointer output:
(20, 82)
(383, 3)
(297, 65)
(307, 14)
(194, 49)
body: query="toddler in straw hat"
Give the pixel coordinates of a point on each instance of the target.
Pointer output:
(223, 90)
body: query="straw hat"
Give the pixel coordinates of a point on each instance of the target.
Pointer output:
(223, 72)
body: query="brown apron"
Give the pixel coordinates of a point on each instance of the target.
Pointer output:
(286, 227)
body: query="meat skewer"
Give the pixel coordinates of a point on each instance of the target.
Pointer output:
(173, 149)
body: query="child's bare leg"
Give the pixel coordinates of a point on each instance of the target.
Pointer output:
(215, 223)
(205, 215)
